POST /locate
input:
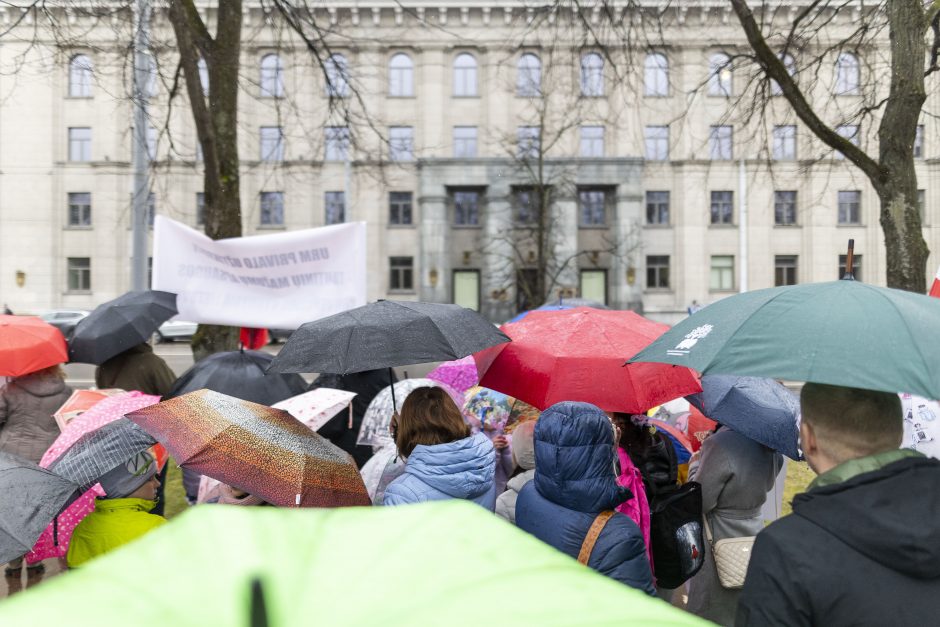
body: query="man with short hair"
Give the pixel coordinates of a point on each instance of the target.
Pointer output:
(862, 546)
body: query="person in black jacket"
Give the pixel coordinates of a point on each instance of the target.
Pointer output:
(863, 544)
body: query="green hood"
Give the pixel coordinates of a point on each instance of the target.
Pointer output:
(846, 470)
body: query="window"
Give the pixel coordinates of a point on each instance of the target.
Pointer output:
(784, 270)
(401, 82)
(719, 75)
(593, 285)
(849, 132)
(81, 75)
(79, 144)
(79, 209)
(656, 143)
(526, 205)
(784, 143)
(657, 272)
(151, 209)
(856, 267)
(272, 208)
(528, 142)
(272, 77)
(465, 75)
(272, 143)
(592, 141)
(151, 143)
(592, 75)
(401, 143)
(529, 76)
(846, 75)
(467, 289)
(922, 205)
(592, 207)
(790, 64)
(337, 76)
(722, 207)
(150, 73)
(657, 208)
(399, 208)
(203, 76)
(785, 208)
(850, 207)
(200, 208)
(919, 142)
(722, 273)
(465, 142)
(656, 75)
(335, 206)
(337, 143)
(720, 143)
(466, 204)
(401, 274)
(79, 274)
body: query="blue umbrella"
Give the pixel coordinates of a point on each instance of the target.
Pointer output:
(760, 409)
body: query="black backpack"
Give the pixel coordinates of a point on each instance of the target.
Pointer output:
(676, 534)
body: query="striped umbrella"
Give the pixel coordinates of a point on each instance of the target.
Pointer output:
(99, 451)
(258, 449)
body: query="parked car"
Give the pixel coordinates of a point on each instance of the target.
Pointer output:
(173, 330)
(65, 319)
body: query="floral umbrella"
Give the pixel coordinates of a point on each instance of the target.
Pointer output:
(490, 410)
(460, 374)
(374, 430)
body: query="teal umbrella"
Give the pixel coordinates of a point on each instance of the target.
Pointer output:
(841, 332)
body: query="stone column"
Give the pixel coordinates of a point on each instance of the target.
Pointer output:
(564, 224)
(497, 277)
(435, 250)
(625, 228)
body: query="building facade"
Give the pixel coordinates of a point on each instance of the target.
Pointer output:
(437, 125)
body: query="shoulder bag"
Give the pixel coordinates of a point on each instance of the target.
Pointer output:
(731, 558)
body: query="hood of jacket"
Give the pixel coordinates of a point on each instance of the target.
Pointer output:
(889, 515)
(42, 385)
(463, 469)
(574, 458)
(518, 482)
(523, 445)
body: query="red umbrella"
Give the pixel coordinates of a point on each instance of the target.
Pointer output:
(578, 355)
(28, 344)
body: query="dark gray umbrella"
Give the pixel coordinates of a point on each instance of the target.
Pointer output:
(119, 324)
(97, 452)
(760, 409)
(32, 497)
(241, 374)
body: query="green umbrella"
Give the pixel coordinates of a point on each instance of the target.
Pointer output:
(841, 332)
(445, 563)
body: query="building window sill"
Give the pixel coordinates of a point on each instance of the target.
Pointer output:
(77, 227)
(722, 226)
(658, 290)
(657, 226)
(403, 292)
(77, 293)
(788, 226)
(851, 225)
(401, 226)
(593, 227)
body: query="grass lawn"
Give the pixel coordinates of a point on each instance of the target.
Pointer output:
(173, 493)
(798, 477)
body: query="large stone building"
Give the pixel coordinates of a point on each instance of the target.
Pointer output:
(439, 124)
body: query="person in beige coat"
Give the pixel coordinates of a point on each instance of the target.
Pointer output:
(523, 455)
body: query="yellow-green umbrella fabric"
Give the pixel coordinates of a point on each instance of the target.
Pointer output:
(445, 563)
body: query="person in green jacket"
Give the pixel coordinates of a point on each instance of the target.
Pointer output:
(121, 516)
(137, 368)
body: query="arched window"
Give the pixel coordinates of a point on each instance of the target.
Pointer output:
(203, 76)
(337, 76)
(465, 75)
(846, 74)
(272, 77)
(529, 76)
(790, 64)
(592, 75)
(719, 75)
(81, 75)
(401, 76)
(656, 75)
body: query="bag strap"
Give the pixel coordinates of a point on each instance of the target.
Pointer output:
(587, 547)
(708, 530)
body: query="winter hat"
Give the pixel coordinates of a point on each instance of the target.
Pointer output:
(523, 445)
(124, 480)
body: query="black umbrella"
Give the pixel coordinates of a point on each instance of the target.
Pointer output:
(32, 497)
(98, 452)
(240, 374)
(119, 324)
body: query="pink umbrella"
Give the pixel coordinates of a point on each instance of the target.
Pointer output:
(55, 543)
(460, 374)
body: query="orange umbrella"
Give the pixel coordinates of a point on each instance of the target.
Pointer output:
(28, 344)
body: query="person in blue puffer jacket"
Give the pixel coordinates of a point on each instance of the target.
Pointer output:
(442, 460)
(575, 480)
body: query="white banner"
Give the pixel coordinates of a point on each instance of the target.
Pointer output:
(276, 281)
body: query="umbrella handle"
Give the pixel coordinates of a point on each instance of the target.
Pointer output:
(391, 382)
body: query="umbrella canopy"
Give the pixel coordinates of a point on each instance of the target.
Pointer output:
(258, 449)
(240, 374)
(316, 407)
(32, 496)
(760, 409)
(81, 401)
(386, 334)
(95, 453)
(577, 355)
(459, 375)
(695, 426)
(28, 344)
(494, 411)
(841, 333)
(374, 430)
(456, 554)
(119, 324)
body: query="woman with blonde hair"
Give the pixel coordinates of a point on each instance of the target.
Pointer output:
(442, 460)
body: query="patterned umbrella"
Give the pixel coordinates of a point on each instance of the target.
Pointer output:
(494, 411)
(97, 452)
(255, 448)
(460, 374)
(316, 407)
(374, 430)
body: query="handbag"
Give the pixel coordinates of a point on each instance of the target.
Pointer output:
(731, 558)
(587, 547)
(676, 534)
